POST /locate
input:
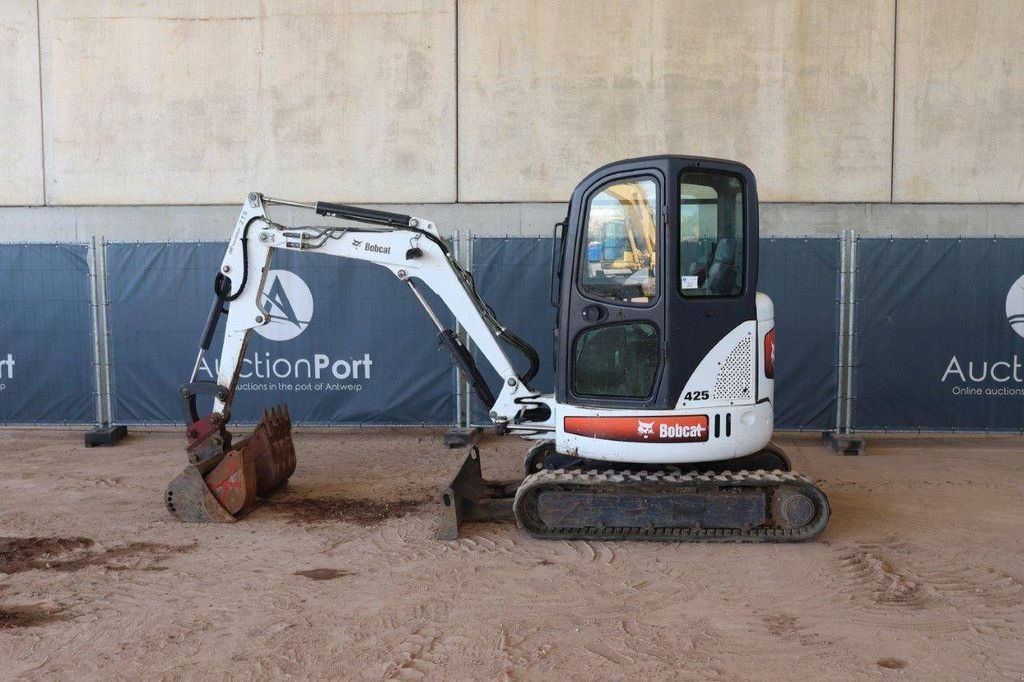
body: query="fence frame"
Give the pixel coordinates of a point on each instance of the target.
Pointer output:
(96, 391)
(854, 365)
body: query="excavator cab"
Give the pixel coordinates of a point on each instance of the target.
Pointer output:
(673, 336)
(632, 330)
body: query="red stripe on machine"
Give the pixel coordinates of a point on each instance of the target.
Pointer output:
(688, 429)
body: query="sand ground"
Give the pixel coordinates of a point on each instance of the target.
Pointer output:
(919, 575)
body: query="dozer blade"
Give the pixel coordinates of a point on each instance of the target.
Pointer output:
(223, 488)
(469, 497)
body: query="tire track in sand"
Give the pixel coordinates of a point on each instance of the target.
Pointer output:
(953, 594)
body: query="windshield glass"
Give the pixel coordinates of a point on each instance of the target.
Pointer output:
(620, 256)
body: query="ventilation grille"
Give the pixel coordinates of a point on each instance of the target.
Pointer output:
(733, 381)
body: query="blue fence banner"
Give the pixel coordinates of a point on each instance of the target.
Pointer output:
(802, 278)
(939, 341)
(348, 343)
(47, 371)
(938, 333)
(513, 276)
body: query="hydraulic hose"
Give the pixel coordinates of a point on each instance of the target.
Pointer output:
(528, 351)
(222, 283)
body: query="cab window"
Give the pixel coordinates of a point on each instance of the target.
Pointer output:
(620, 248)
(616, 361)
(711, 245)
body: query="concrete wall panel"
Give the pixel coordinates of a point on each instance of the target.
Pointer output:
(183, 101)
(960, 101)
(21, 156)
(801, 91)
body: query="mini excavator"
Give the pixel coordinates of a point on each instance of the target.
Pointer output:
(660, 424)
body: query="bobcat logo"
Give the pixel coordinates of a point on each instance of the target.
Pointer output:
(357, 242)
(645, 429)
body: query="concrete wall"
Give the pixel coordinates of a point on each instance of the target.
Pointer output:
(799, 91)
(21, 159)
(152, 120)
(184, 102)
(960, 101)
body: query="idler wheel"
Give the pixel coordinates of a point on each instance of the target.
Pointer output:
(791, 508)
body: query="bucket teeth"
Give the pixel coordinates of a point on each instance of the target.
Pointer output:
(272, 450)
(255, 467)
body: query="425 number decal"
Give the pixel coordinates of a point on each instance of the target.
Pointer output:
(696, 395)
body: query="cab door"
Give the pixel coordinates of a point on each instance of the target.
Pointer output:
(712, 246)
(612, 330)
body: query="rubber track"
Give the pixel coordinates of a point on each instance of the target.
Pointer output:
(528, 493)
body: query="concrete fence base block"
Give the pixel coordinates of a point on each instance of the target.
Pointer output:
(105, 435)
(461, 438)
(843, 443)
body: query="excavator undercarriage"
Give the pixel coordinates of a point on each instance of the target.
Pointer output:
(574, 499)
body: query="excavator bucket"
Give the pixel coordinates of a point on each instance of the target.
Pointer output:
(223, 487)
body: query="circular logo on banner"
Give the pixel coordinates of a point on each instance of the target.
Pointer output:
(289, 303)
(1015, 306)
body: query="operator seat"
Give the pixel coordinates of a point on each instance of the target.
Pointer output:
(721, 274)
(692, 258)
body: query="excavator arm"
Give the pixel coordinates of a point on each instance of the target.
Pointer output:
(409, 247)
(412, 249)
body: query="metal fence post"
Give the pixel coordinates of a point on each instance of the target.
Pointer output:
(105, 432)
(840, 440)
(108, 369)
(462, 434)
(851, 333)
(841, 338)
(98, 392)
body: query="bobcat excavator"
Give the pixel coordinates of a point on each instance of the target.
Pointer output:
(660, 424)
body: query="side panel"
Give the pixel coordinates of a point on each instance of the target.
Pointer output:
(662, 437)
(727, 375)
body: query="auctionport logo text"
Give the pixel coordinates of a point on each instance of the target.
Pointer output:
(319, 366)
